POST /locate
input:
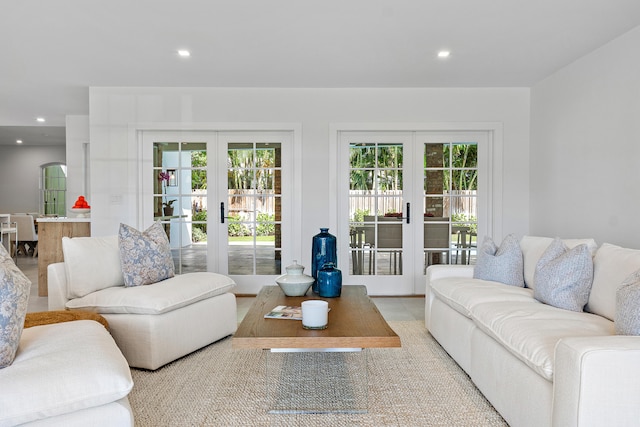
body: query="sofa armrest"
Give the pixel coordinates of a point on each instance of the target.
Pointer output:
(57, 286)
(440, 271)
(597, 381)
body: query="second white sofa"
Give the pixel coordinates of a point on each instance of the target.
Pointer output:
(152, 324)
(540, 365)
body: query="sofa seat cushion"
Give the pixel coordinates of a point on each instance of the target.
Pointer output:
(62, 368)
(462, 294)
(158, 298)
(531, 330)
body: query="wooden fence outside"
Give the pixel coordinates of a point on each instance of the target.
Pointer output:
(243, 201)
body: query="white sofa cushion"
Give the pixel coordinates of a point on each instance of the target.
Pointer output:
(161, 297)
(91, 264)
(14, 297)
(62, 368)
(462, 294)
(564, 276)
(530, 331)
(533, 247)
(500, 264)
(611, 266)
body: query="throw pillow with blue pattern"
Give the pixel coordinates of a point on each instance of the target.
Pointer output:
(14, 297)
(564, 276)
(145, 256)
(627, 315)
(503, 264)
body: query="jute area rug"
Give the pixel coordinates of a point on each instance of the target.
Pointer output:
(416, 385)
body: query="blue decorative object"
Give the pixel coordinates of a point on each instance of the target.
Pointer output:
(323, 251)
(329, 281)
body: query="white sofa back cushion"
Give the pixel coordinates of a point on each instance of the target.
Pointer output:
(533, 247)
(611, 266)
(158, 298)
(91, 264)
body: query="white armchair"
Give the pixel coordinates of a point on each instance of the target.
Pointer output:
(152, 324)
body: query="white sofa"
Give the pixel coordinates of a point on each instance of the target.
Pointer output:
(66, 374)
(152, 324)
(539, 365)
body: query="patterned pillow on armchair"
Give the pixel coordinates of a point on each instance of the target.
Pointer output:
(145, 256)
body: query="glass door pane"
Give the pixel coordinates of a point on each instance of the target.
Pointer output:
(254, 208)
(180, 200)
(450, 202)
(375, 208)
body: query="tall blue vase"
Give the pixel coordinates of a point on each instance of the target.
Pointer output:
(323, 250)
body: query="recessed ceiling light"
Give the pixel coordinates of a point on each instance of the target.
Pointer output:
(444, 54)
(40, 119)
(184, 53)
(19, 141)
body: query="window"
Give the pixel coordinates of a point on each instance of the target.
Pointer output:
(53, 189)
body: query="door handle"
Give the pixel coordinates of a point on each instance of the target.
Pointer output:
(408, 212)
(222, 216)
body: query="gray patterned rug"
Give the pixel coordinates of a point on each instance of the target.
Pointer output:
(416, 385)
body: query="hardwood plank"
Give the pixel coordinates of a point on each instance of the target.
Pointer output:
(354, 322)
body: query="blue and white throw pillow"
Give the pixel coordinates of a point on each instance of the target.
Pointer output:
(502, 264)
(145, 257)
(564, 276)
(14, 297)
(627, 315)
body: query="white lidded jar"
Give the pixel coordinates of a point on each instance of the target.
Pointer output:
(295, 283)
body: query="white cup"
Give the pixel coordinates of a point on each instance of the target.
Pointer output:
(315, 314)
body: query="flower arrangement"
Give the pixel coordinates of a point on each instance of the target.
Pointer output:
(164, 177)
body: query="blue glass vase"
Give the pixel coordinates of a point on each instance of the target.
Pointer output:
(329, 281)
(323, 251)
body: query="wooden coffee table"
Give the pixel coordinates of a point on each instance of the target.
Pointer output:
(354, 322)
(316, 371)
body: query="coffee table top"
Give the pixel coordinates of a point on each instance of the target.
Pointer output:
(354, 322)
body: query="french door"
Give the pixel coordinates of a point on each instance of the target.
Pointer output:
(223, 199)
(255, 206)
(409, 200)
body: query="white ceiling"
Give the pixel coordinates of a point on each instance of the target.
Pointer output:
(53, 51)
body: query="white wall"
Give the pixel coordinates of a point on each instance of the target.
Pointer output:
(115, 110)
(585, 147)
(77, 135)
(20, 175)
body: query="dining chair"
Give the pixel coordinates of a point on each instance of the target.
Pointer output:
(27, 234)
(7, 228)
